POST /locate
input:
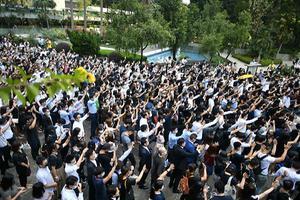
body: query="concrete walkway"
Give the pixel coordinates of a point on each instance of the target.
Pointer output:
(239, 63)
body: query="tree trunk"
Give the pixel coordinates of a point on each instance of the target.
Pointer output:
(84, 15)
(279, 49)
(72, 15)
(228, 54)
(259, 55)
(101, 17)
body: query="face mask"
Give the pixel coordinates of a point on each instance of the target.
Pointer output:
(74, 187)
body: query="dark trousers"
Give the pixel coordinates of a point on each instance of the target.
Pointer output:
(175, 178)
(23, 179)
(35, 147)
(144, 177)
(4, 158)
(92, 195)
(131, 158)
(94, 123)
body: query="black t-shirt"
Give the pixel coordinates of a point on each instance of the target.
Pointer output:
(55, 160)
(222, 198)
(126, 191)
(225, 177)
(278, 195)
(237, 160)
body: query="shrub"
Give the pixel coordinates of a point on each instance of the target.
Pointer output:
(84, 43)
(268, 61)
(264, 61)
(286, 71)
(116, 56)
(244, 58)
(63, 46)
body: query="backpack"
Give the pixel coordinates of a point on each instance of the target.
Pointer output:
(184, 185)
(229, 189)
(257, 171)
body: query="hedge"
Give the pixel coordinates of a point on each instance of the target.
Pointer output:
(115, 55)
(264, 61)
(84, 43)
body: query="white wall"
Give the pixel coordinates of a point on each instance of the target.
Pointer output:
(60, 4)
(187, 2)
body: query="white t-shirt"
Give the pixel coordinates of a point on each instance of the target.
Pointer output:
(291, 174)
(8, 134)
(68, 194)
(265, 163)
(44, 176)
(71, 170)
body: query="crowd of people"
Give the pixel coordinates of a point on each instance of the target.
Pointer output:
(204, 132)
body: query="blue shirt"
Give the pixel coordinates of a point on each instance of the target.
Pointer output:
(190, 147)
(92, 106)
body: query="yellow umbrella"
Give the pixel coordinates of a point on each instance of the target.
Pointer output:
(91, 78)
(245, 76)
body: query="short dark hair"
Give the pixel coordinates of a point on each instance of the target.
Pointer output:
(7, 181)
(144, 127)
(15, 146)
(180, 141)
(38, 190)
(287, 185)
(40, 160)
(75, 115)
(71, 180)
(237, 145)
(69, 158)
(143, 140)
(193, 136)
(254, 162)
(220, 186)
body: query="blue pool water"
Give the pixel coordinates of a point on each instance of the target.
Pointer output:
(162, 56)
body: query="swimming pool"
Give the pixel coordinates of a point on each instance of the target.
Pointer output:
(162, 56)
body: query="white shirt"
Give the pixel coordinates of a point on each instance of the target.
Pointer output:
(8, 134)
(71, 170)
(44, 176)
(286, 101)
(291, 174)
(79, 124)
(3, 141)
(143, 121)
(198, 127)
(69, 194)
(243, 144)
(241, 124)
(265, 163)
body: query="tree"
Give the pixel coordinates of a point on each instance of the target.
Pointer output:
(176, 14)
(135, 25)
(261, 40)
(237, 34)
(43, 6)
(83, 4)
(213, 26)
(72, 14)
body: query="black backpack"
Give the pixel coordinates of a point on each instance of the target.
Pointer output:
(258, 170)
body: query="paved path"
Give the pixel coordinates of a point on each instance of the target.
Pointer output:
(239, 63)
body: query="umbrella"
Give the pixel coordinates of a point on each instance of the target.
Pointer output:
(245, 76)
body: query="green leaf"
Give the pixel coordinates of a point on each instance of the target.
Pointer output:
(20, 96)
(32, 91)
(4, 94)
